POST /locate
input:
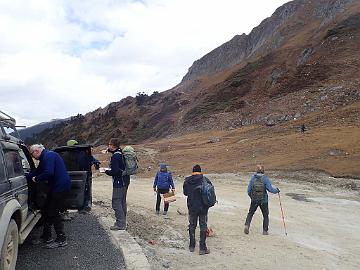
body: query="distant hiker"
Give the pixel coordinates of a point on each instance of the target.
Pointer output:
(302, 128)
(257, 191)
(197, 209)
(162, 183)
(120, 184)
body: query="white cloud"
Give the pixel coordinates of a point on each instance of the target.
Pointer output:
(63, 57)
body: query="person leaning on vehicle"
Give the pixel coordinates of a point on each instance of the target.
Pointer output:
(120, 184)
(197, 209)
(52, 169)
(257, 190)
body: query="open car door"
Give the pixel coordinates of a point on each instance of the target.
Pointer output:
(77, 163)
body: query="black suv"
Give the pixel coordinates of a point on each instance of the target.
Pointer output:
(16, 218)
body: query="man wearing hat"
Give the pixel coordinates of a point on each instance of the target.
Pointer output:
(197, 209)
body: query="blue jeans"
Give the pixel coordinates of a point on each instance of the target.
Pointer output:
(193, 218)
(264, 207)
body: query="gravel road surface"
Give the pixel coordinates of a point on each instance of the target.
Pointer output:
(89, 247)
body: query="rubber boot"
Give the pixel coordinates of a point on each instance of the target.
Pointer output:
(192, 241)
(203, 249)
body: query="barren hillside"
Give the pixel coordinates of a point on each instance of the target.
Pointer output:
(300, 66)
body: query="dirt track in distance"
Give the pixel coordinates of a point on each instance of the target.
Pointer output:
(322, 224)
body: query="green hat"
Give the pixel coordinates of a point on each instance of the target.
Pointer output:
(71, 142)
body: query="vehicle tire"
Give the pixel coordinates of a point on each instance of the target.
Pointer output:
(9, 250)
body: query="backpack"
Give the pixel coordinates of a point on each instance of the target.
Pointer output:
(130, 159)
(208, 195)
(258, 190)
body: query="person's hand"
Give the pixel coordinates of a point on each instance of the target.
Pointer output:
(278, 190)
(33, 179)
(154, 189)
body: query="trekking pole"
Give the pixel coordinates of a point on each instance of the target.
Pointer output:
(282, 214)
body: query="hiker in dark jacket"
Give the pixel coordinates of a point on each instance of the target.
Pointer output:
(197, 209)
(162, 183)
(257, 191)
(120, 184)
(51, 169)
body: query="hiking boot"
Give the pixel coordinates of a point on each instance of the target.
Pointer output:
(192, 249)
(56, 244)
(65, 216)
(265, 233)
(246, 229)
(117, 228)
(165, 213)
(204, 251)
(42, 241)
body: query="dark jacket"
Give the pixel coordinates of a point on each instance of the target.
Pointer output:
(163, 180)
(117, 166)
(52, 169)
(267, 184)
(191, 189)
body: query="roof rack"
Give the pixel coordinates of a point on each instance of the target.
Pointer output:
(7, 118)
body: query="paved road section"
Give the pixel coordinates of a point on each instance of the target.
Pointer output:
(89, 247)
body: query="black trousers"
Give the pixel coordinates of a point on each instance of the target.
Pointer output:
(193, 220)
(158, 199)
(51, 214)
(264, 207)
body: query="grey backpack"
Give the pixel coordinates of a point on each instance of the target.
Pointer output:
(258, 190)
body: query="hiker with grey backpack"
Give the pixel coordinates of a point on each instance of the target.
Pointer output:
(123, 163)
(257, 191)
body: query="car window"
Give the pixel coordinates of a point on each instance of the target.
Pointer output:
(13, 164)
(10, 130)
(24, 162)
(77, 159)
(2, 169)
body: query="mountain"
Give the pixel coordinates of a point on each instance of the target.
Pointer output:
(30, 132)
(302, 60)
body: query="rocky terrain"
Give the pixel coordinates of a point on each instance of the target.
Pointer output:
(300, 66)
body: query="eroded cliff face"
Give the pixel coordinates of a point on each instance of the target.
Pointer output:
(272, 33)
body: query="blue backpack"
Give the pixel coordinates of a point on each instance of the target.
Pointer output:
(208, 193)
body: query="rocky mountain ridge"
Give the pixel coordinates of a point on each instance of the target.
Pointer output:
(302, 60)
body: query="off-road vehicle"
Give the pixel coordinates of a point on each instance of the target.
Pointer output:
(17, 219)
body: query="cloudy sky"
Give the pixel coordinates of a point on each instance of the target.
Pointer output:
(59, 58)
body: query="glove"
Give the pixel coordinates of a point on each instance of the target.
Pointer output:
(278, 190)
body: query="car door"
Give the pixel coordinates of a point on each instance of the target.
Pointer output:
(72, 156)
(16, 176)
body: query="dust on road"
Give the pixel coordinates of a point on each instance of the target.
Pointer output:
(322, 223)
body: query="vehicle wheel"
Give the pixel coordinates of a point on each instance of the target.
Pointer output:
(9, 250)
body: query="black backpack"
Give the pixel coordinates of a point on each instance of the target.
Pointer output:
(208, 195)
(258, 190)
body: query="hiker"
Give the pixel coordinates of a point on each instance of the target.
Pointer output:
(197, 209)
(162, 183)
(120, 184)
(302, 128)
(52, 169)
(257, 191)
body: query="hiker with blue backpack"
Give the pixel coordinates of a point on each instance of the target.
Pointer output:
(162, 183)
(257, 191)
(200, 197)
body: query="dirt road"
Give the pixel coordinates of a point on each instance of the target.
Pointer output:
(322, 224)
